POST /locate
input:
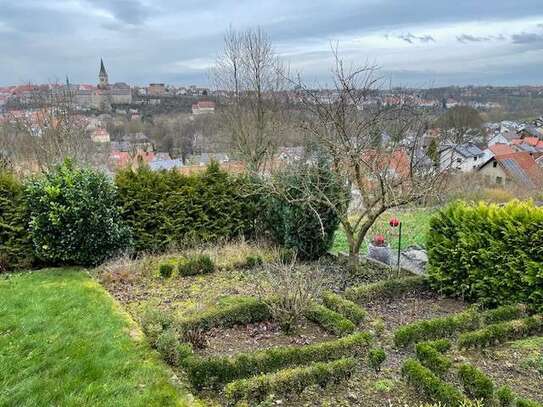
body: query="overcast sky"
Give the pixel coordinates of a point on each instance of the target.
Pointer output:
(416, 42)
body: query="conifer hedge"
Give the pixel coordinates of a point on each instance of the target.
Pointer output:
(166, 208)
(15, 241)
(488, 253)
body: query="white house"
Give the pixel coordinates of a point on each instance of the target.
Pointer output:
(464, 157)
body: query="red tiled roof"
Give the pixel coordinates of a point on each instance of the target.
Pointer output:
(527, 163)
(500, 149)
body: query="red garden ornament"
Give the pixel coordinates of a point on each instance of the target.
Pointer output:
(394, 222)
(378, 240)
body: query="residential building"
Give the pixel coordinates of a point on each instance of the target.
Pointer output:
(519, 168)
(203, 106)
(464, 157)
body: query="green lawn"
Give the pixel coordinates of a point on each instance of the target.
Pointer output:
(415, 224)
(65, 342)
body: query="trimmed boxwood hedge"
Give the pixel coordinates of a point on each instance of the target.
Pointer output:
(217, 370)
(431, 358)
(385, 289)
(194, 265)
(453, 324)
(434, 388)
(488, 253)
(502, 332)
(289, 381)
(228, 312)
(476, 384)
(345, 307)
(331, 321)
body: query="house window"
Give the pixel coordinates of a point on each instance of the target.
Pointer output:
(499, 180)
(475, 158)
(458, 160)
(495, 164)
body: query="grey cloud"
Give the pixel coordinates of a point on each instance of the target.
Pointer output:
(411, 38)
(126, 11)
(527, 38)
(465, 38)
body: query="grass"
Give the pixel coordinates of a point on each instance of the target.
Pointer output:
(415, 224)
(64, 341)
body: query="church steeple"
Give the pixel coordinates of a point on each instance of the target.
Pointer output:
(102, 76)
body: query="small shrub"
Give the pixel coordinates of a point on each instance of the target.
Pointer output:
(431, 358)
(228, 312)
(165, 270)
(378, 326)
(199, 264)
(376, 357)
(505, 396)
(154, 321)
(167, 345)
(288, 290)
(476, 384)
(501, 332)
(385, 289)
(253, 260)
(213, 371)
(74, 216)
(345, 307)
(527, 403)
(289, 381)
(384, 385)
(330, 320)
(431, 385)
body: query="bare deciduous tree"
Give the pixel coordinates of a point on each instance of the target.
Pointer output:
(376, 149)
(253, 78)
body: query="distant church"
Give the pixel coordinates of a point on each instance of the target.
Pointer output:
(104, 95)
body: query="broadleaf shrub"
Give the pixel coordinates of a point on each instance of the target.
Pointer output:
(166, 208)
(376, 357)
(434, 388)
(476, 384)
(296, 217)
(74, 217)
(289, 381)
(488, 253)
(15, 240)
(345, 307)
(213, 371)
(331, 321)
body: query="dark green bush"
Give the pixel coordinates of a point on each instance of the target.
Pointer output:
(504, 313)
(74, 216)
(505, 396)
(376, 357)
(216, 370)
(345, 307)
(165, 269)
(331, 321)
(488, 253)
(15, 240)
(193, 265)
(501, 332)
(390, 288)
(252, 261)
(436, 328)
(298, 217)
(167, 345)
(426, 382)
(431, 358)
(166, 208)
(476, 384)
(289, 381)
(228, 312)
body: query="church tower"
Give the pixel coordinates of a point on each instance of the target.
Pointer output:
(102, 76)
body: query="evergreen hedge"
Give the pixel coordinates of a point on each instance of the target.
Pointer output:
(213, 371)
(476, 384)
(330, 321)
(389, 288)
(15, 240)
(345, 307)
(166, 208)
(289, 381)
(488, 253)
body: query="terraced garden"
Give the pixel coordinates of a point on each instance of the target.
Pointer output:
(379, 342)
